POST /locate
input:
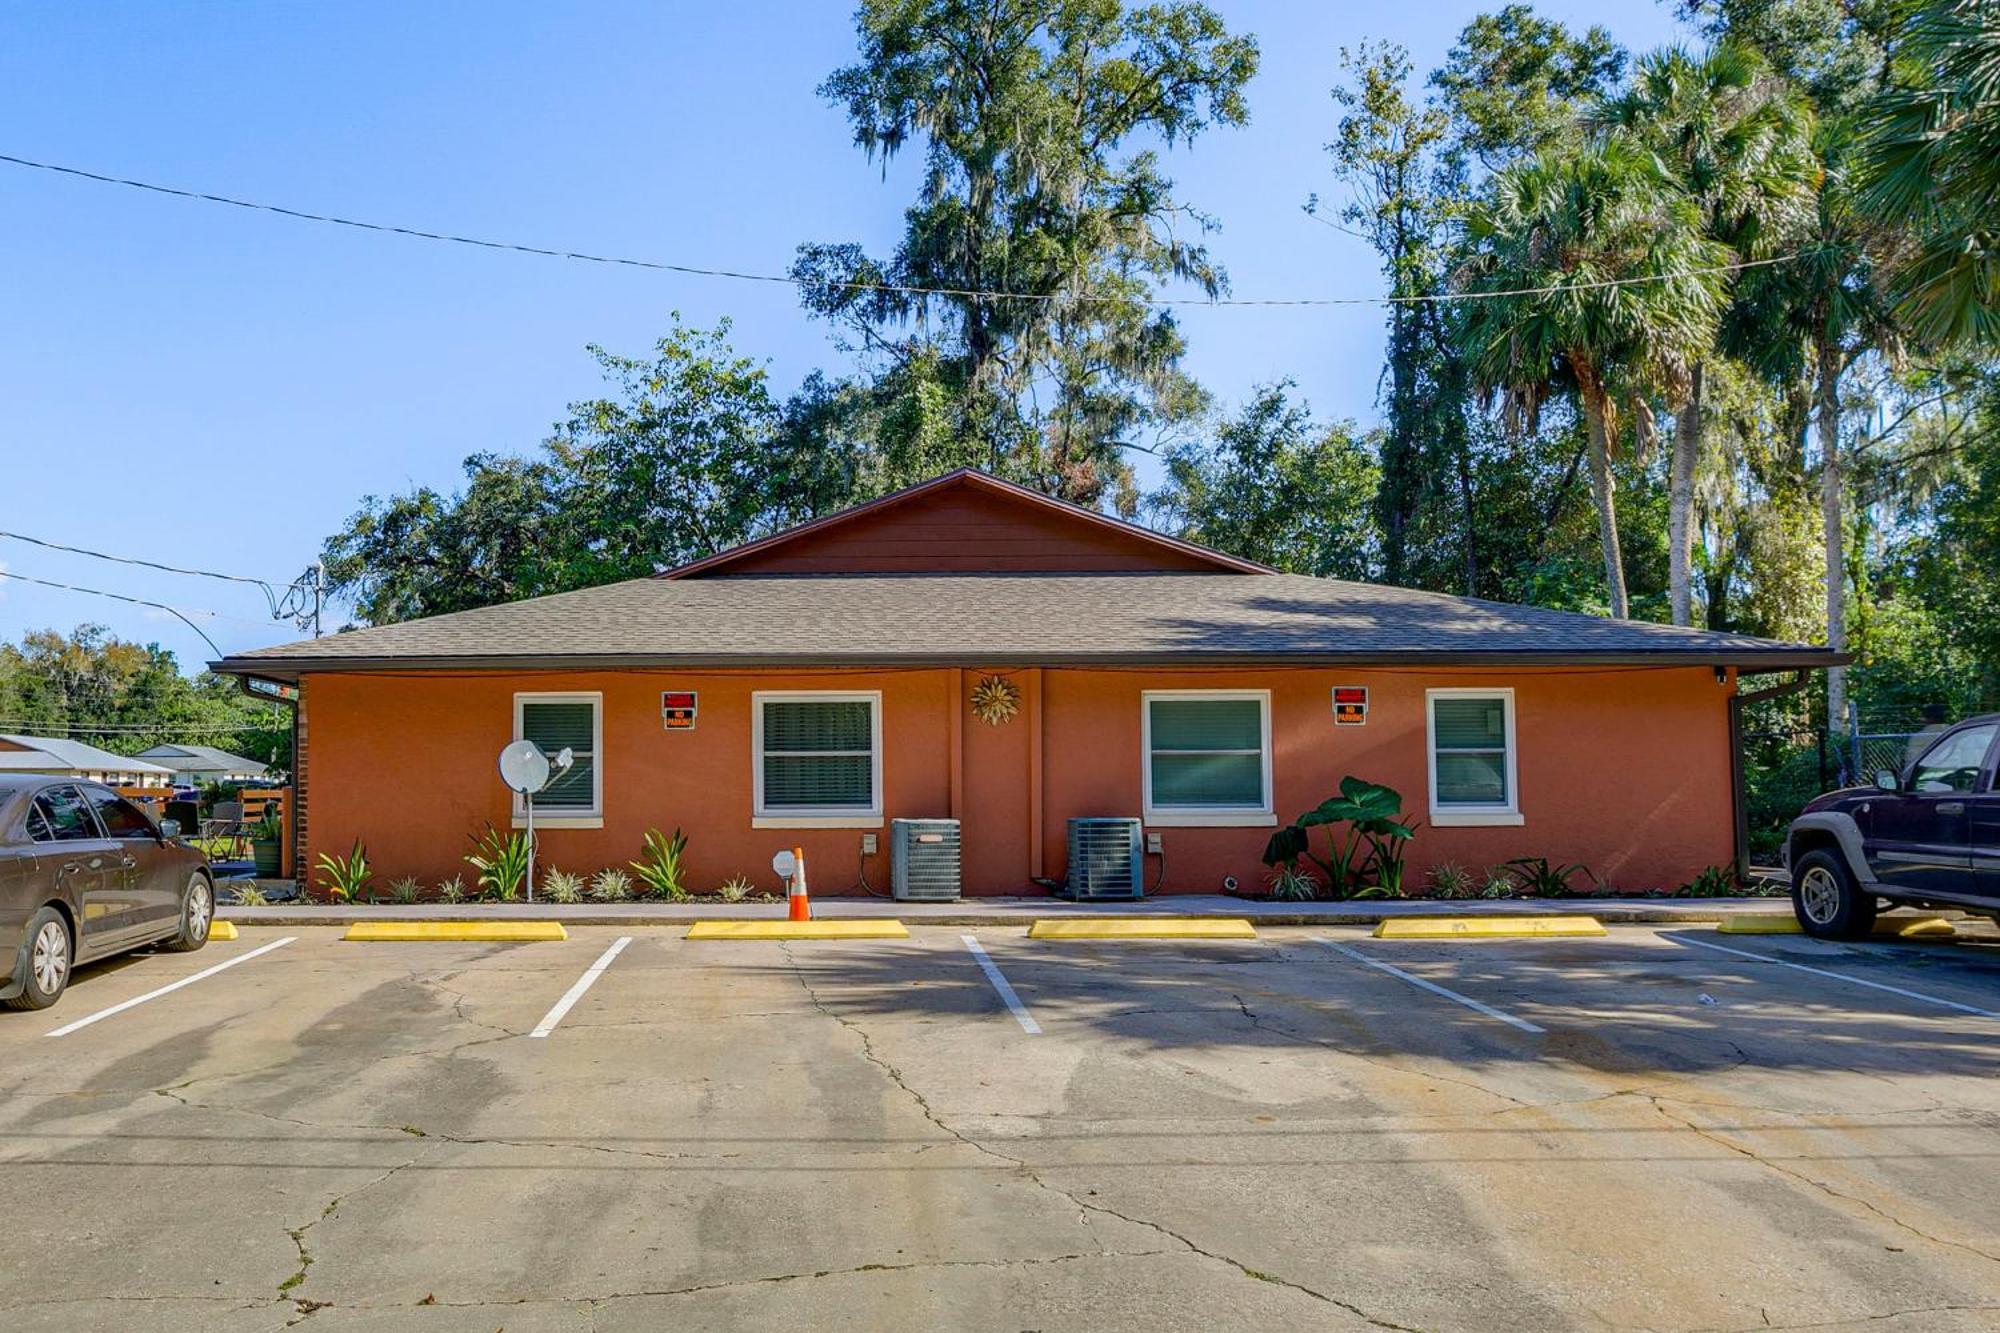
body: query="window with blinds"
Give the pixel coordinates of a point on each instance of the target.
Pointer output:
(1207, 752)
(556, 722)
(817, 755)
(1472, 761)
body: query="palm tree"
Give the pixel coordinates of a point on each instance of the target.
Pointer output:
(1804, 323)
(1736, 139)
(1931, 161)
(1590, 273)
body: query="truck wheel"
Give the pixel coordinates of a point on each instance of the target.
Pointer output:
(49, 955)
(1828, 902)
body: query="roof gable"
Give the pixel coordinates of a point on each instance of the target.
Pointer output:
(966, 522)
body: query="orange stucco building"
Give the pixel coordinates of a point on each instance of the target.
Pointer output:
(970, 650)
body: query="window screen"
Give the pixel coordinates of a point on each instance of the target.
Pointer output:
(566, 723)
(819, 754)
(1207, 754)
(1470, 733)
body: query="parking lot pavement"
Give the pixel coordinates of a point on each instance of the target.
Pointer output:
(1626, 1132)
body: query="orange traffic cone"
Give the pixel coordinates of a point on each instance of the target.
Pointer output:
(795, 894)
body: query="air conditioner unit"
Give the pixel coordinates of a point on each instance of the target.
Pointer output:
(1106, 859)
(923, 860)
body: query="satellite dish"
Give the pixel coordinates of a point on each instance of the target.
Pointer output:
(524, 768)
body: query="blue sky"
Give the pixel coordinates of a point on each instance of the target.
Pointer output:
(201, 385)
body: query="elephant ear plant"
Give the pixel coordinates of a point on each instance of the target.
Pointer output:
(1374, 840)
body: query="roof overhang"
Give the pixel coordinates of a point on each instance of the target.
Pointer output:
(292, 669)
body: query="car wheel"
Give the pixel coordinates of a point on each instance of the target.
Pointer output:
(50, 953)
(197, 915)
(1828, 902)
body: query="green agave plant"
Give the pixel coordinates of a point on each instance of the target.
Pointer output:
(502, 862)
(660, 868)
(345, 877)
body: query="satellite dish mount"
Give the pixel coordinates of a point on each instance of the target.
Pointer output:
(528, 770)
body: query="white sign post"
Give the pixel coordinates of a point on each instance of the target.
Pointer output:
(526, 771)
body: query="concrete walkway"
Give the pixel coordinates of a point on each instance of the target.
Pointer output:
(1015, 911)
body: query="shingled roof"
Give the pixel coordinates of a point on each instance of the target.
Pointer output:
(1010, 619)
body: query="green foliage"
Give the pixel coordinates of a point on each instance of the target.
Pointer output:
(57, 684)
(405, 890)
(1712, 882)
(660, 866)
(502, 862)
(1537, 876)
(611, 886)
(688, 455)
(1040, 124)
(1291, 884)
(1450, 879)
(562, 887)
(452, 891)
(1278, 489)
(1373, 816)
(248, 895)
(1514, 82)
(736, 888)
(345, 877)
(1929, 163)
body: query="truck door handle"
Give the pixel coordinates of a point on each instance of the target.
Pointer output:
(71, 867)
(1951, 807)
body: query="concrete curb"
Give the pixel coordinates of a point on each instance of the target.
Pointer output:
(1018, 911)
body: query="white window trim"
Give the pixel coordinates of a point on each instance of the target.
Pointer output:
(1186, 816)
(1473, 816)
(807, 816)
(593, 817)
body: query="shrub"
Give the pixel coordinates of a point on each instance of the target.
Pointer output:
(736, 888)
(343, 877)
(560, 886)
(405, 890)
(502, 862)
(249, 895)
(452, 890)
(1534, 875)
(660, 867)
(1374, 818)
(1712, 882)
(1290, 884)
(1497, 883)
(1449, 879)
(611, 886)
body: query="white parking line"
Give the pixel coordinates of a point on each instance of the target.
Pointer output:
(1432, 987)
(583, 983)
(992, 971)
(1837, 976)
(171, 987)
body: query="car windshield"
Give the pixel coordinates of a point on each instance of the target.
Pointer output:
(1953, 764)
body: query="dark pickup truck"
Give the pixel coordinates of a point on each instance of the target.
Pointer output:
(1928, 836)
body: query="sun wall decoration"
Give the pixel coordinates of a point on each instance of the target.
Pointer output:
(995, 699)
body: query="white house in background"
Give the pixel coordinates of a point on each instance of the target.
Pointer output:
(54, 754)
(193, 764)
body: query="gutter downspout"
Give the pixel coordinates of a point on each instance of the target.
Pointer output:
(1739, 800)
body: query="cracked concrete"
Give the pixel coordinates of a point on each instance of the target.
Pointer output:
(858, 1137)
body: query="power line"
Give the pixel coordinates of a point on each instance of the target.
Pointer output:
(891, 288)
(121, 597)
(21, 726)
(134, 560)
(300, 601)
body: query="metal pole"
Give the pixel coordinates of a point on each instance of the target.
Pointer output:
(319, 592)
(531, 845)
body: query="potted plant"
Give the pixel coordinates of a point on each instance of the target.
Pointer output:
(267, 843)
